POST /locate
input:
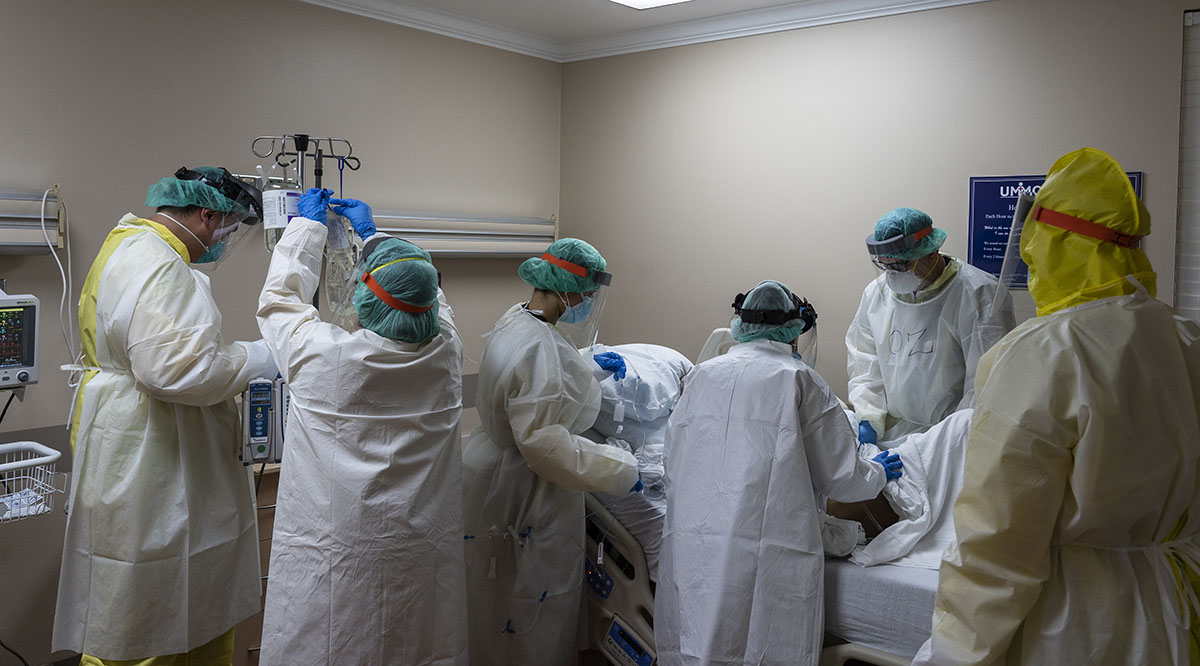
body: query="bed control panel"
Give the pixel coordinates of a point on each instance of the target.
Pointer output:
(624, 647)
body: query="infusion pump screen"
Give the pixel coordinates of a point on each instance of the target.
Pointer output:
(16, 336)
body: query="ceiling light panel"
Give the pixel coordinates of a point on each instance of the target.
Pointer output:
(648, 4)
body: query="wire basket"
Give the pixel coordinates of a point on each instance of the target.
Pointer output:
(27, 480)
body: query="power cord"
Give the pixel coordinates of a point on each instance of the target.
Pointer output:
(15, 653)
(68, 281)
(68, 288)
(11, 395)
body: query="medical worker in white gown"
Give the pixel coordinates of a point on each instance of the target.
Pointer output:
(754, 446)
(160, 560)
(366, 559)
(920, 329)
(1078, 523)
(525, 470)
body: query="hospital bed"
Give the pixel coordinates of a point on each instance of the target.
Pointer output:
(620, 595)
(874, 615)
(882, 613)
(878, 615)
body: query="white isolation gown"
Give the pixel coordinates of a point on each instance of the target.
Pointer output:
(755, 444)
(366, 559)
(913, 364)
(1080, 502)
(161, 550)
(524, 474)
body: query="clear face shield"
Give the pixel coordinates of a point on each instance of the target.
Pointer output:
(235, 225)
(580, 323)
(1013, 272)
(806, 347)
(903, 276)
(232, 232)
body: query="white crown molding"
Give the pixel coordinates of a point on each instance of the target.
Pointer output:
(450, 25)
(793, 16)
(749, 23)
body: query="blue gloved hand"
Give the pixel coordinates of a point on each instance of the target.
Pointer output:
(891, 464)
(313, 203)
(638, 487)
(612, 362)
(866, 433)
(359, 214)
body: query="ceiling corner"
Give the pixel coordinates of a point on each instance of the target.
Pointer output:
(449, 25)
(791, 16)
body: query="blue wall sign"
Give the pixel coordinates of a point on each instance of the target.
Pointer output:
(993, 200)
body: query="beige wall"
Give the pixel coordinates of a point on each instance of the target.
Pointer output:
(697, 170)
(105, 98)
(702, 170)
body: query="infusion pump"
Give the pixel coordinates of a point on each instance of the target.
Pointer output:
(264, 420)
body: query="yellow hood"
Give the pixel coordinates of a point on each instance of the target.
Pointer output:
(1067, 268)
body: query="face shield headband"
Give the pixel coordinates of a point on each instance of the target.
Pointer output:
(237, 190)
(801, 309)
(896, 244)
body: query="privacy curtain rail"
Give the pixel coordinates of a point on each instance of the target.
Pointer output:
(21, 221)
(470, 236)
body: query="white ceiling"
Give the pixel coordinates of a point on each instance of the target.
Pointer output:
(568, 30)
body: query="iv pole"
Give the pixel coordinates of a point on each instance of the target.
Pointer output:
(306, 146)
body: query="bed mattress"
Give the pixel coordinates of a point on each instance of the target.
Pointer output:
(886, 607)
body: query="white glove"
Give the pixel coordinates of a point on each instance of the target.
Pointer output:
(259, 362)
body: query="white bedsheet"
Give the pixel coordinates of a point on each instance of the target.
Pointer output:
(643, 513)
(888, 607)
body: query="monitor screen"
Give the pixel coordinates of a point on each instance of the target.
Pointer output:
(16, 336)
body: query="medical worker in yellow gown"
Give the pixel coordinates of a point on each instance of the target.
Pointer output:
(160, 560)
(1078, 524)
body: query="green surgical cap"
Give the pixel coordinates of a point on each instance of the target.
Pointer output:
(413, 281)
(541, 274)
(177, 193)
(768, 295)
(908, 221)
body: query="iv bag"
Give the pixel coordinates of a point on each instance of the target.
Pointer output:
(281, 202)
(342, 250)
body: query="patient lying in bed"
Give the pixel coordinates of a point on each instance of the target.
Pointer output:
(633, 415)
(920, 523)
(911, 522)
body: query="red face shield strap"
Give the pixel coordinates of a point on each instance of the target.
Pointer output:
(567, 266)
(922, 233)
(1084, 227)
(392, 301)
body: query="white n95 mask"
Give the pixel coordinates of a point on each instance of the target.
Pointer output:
(903, 283)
